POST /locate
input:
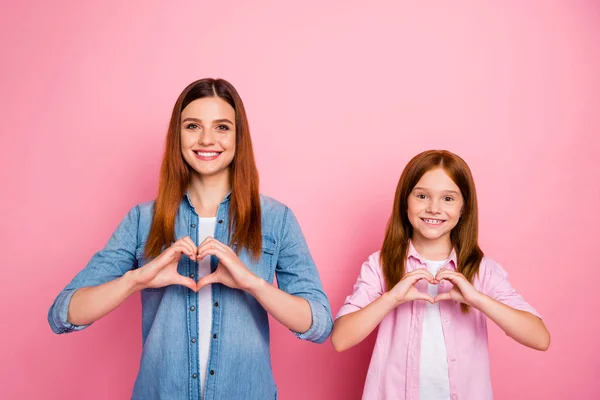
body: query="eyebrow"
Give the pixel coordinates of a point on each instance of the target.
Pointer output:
(218, 121)
(447, 191)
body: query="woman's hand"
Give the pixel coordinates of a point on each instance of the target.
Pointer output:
(230, 272)
(162, 271)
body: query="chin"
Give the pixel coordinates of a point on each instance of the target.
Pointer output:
(209, 172)
(432, 235)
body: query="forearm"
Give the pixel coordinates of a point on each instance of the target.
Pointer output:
(353, 328)
(89, 304)
(292, 311)
(524, 327)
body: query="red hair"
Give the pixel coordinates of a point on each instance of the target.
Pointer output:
(175, 173)
(399, 230)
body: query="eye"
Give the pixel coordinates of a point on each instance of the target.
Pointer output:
(421, 196)
(222, 127)
(448, 198)
(191, 126)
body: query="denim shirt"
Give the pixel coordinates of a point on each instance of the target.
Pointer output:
(239, 365)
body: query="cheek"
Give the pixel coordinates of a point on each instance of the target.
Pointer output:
(414, 208)
(413, 213)
(454, 213)
(227, 142)
(411, 209)
(186, 141)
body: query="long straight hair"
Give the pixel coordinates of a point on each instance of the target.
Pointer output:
(463, 236)
(175, 174)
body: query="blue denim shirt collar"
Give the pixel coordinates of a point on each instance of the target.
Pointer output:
(225, 200)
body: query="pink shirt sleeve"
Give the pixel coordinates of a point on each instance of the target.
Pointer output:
(368, 287)
(497, 286)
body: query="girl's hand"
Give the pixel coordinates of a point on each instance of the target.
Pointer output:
(405, 290)
(462, 291)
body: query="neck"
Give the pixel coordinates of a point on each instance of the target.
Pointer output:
(207, 192)
(432, 249)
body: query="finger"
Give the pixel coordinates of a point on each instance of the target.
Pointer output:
(213, 251)
(449, 275)
(207, 240)
(422, 270)
(179, 249)
(190, 250)
(449, 271)
(213, 244)
(412, 278)
(190, 242)
(187, 282)
(419, 271)
(206, 280)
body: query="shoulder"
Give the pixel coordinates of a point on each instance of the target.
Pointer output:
(489, 266)
(373, 265)
(491, 272)
(270, 205)
(275, 214)
(371, 272)
(145, 208)
(144, 212)
(374, 259)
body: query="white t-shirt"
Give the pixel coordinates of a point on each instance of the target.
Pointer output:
(433, 376)
(206, 227)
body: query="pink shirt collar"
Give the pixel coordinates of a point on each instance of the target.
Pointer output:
(412, 252)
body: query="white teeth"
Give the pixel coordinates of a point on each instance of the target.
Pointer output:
(204, 154)
(433, 221)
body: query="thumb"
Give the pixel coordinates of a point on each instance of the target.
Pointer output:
(187, 282)
(442, 297)
(424, 296)
(206, 280)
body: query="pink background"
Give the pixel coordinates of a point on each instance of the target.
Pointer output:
(340, 95)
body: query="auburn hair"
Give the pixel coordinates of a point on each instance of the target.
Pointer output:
(175, 174)
(463, 236)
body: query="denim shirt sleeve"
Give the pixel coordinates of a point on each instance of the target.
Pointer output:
(298, 276)
(117, 257)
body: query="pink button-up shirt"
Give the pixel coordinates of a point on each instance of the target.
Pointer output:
(394, 370)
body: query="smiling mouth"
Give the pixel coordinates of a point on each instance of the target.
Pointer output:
(207, 155)
(431, 221)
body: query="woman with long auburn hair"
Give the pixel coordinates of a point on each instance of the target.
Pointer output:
(430, 289)
(204, 255)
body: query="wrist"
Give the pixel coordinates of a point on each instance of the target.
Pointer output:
(478, 301)
(391, 300)
(255, 286)
(132, 282)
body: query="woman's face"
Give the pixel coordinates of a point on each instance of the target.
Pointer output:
(208, 136)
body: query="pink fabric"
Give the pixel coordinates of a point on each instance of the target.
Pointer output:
(394, 369)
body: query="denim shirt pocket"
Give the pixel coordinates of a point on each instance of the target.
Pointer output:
(265, 265)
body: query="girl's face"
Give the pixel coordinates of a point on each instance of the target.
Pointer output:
(434, 206)
(208, 135)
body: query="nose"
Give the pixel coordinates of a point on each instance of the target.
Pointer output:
(433, 206)
(206, 137)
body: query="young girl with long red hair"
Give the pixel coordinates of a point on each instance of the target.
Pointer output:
(431, 290)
